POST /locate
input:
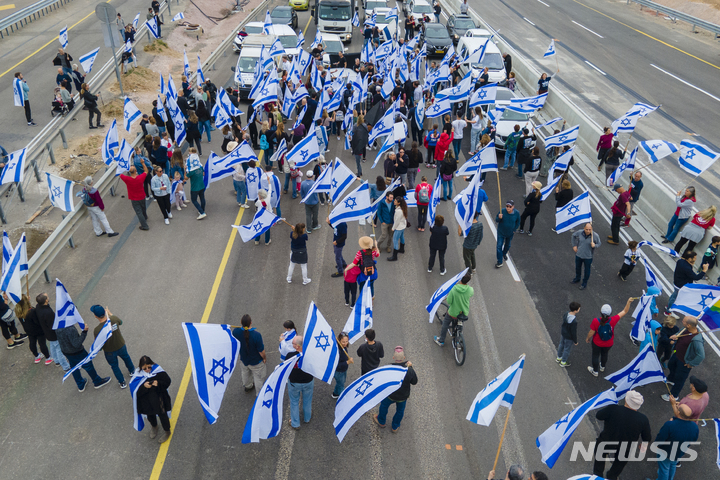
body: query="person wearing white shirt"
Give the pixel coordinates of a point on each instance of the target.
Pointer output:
(459, 125)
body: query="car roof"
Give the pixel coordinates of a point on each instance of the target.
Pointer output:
(435, 26)
(281, 8)
(477, 32)
(255, 24)
(505, 93)
(461, 15)
(330, 36)
(473, 43)
(282, 30)
(258, 39)
(421, 2)
(382, 10)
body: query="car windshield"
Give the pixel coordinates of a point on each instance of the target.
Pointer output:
(246, 64)
(505, 95)
(253, 29)
(464, 23)
(334, 13)
(333, 46)
(493, 61)
(435, 32)
(288, 41)
(422, 9)
(380, 18)
(281, 14)
(373, 5)
(514, 116)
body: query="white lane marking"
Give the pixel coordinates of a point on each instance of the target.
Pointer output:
(583, 26)
(686, 83)
(593, 66)
(531, 23)
(509, 261)
(543, 3)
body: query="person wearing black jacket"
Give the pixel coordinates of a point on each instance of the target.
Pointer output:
(359, 143)
(438, 243)
(414, 160)
(532, 208)
(182, 104)
(252, 128)
(91, 104)
(71, 344)
(685, 274)
(524, 150)
(400, 396)
(568, 335)
(401, 165)
(153, 399)
(300, 384)
(563, 194)
(31, 325)
(507, 60)
(63, 60)
(158, 119)
(46, 319)
(612, 159)
(193, 132)
(339, 237)
(7, 324)
(342, 367)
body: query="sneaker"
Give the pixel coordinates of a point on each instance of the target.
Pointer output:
(22, 336)
(39, 358)
(49, 361)
(305, 282)
(593, 372)
(169, 214)
(32, 124)
(575, 280)
(558, 359)
(336, 275)
(529, 234)
(582, 287)
(114, 234)
(564, 364)
(164, 436)
(394, 430)
(14, 344)
(123, 385)
(289, 280)
(82, 389)
(521, 231)
(167, 221)
(499, 265)
(347, 304)
(332, 394)
(503, 168)
(201, 216)
(249, 389)
(666, 397)
(505, 256)
(317, 227)
(257, 242)
(437, 340)
(179, 208)
(153, 432)
(429, 270)
(268, 242)
(103, 382)
(443, 272)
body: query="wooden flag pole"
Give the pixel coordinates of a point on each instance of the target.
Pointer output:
(499, 196)
(652, 341)
(286, 223)
(502, 437)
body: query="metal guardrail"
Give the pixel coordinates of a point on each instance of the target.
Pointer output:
(677, 15)
(17, 20)
(62, 235)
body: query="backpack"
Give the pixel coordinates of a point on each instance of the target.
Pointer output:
(87, 201)
(264, 145)
(424, 195)
(367, 264)
(605, 331)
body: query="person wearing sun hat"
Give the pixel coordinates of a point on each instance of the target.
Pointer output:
(115, 346)
(368, 251)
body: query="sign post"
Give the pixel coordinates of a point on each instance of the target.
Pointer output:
(106, 13)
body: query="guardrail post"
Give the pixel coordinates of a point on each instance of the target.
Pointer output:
(21, 192)
(37, 172)
(47, 277)
(64, 138)
(71, 242)
(168, 5)
(148, 34)
(2, 215)
(51, 154)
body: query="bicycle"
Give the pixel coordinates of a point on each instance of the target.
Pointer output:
(455, 331)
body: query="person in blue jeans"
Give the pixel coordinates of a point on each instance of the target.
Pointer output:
(683, 212)
(342, 367)
(71, 345)
(511, 149)
(584, 243)
(400, 396)
(676, 431)
(115, 347)
(508, 220)
(300, 384)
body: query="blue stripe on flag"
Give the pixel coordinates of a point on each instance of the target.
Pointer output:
(376, 391)
(490, 398)
(200, 374)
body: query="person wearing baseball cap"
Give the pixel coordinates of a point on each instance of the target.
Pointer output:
(623, 424)
(602, 334)
(312, 206)
(115, 347)
(508, 220)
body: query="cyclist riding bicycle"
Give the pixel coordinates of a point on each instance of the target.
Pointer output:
(458, 301)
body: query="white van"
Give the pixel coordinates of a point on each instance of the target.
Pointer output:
(382, 24)
(470, 47)
(288, 38)
(247, 60)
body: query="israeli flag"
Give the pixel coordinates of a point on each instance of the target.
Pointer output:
(299, 118)
(177, 118)
(650, 278)
(562, 162)
(466, 204)
(265, 420)
(161, 109)
(438, 108)
(500, 391)
(420, 114)
(279, 151)
(551, 49)
(60, 192)
(527, 104)
(387, 145)
(103, 336)
(548, 189)
(693, 298)
(363, 394)
(276, 48)
(136, 381)
(163, 88)
(221, 117)
(301, 40)
(304, 61)
(300, 93)
(200, 76)
(626, 123)
(695, 157)
(356, 20)
(171, 89)
(336, 100)
(355, 206)
(574, 213)
(361, 316)
(484, 160)
(644, 369)
(63, 37)
(586, 477)
(18, 93)
(186, 65)
(556, 119)
(370, 21)
(367, 53)
(267, 23)
(658, 149)
(271, 183)
(334, 180)
(252, 182)
(410, 199)
(495, 114)
(317, 41)
(66, 313)
(8, 250)
(484, 96)
(224, 100)
(662, 248)
(643, 109)
(23, 263)
(217, 168)
(268, 94)
(320, 349)
(348, 139)
(384, 50)
(13, 268)
(642, 316)
(385, 125)
(263, 220)
(289, 101)
(128, 46)
(214, 353)
(124, 157)
(442, 292)
(392, 15)
(432, 206)
(553, 440)
(390, 188)
(305, 151)
(153, 27)
(131, 113)
(627, 165)
(136, 20)
(179, 16)
(717, 435)
(14, 170)
(563, 138)
(173, 190)
(88, 60)
(459, 92)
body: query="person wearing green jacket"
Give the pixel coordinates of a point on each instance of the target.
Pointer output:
(458, 301)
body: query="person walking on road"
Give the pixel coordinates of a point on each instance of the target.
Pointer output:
(602, 334)
(298, 252)
(620, 209)
(91, 104)
(694, 232)
(96, 208)
(568, 335)
(684, 204)
(35, 335)
(115, 346)
(697, 399)
(386, 217)
(312, 202)
(342, 367)
(423, 191)
(300, 384)
(438, 243)
(532, 208)
(623, 424)
(678, 431)
(524, 150)
(252, 355)
(458, 301)
(604, 145)
(400, 396)
(46, 318)
(689, 353)
(64, 61)
(584, 242)
(399, 226)
(71, 344)
(508, 220)
(21, 95)
(370, 352)
(196, 175)
(532, 170)
(136, 193)
(471, 242)
(339, 237)
(7, 325)
(160, 185)
(153, 399)
(685, 274)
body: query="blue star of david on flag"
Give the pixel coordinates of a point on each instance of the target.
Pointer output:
(573, 209)
(705, 298)
(322, 341)
(362, 388)
(350, 203)
(257, 226)
(251, 177)
(576, 212)
(218, 364)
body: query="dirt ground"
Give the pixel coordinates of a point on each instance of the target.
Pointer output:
(708, 10)
(82, 158)
(35, 237)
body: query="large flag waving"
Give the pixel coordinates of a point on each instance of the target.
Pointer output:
(320, 349)
(13, 268)
(109, 143)
(14, 170)
(103, 336)
(695, 157)
(658, 149)
(363, 394)
(131, 113)
(550, 50)
(263, 220)
(60, 192)
(88, 60)
(563, 138)
(627, 165)
(645, 368)
(214, 352)
(355, 206)
(484, 96)
(434, 202)
(693, 298)
(574, 213)
(305, 151)
(65, 312)
(361, 316)
(466, 204)
(500, 391)
(441, 293)
(642, 316)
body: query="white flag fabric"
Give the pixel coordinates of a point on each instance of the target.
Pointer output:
(171, 90)
(562, 162)
(103, 336)
(693, 298)
(305, 151)
(136, 20)
(528, 104)
(65, 312)
(574, 213)
(217, 168)
(695, 157)
(320, 348)
(13, 268)
(563, 138)
(265, 420)
(224, 101)
(650, 278)
(177, 118)
(22, 246)
(586, 477)
(355, 206)
(556, 119)
(153, 27)
(88, 60)
(18, 93)
(466, 204)
(500, 391)
(268, 23)
(438, 108)
(361, 316)
(200, 78)
(263, 220)
(363, 394)
(8, 250)
(131, 113)
(136, 381)
(550, 50)
(109, 143)
(186, 65)
(252, 182)
(179, 16)
(658, 149)
(642, 316)
(486, 156)
(14, 170)
(124, 157)
(214, 353)
(434, 202)
(643, 109)
(161, 109)
(63, 37)
(384, 126)
(387, 145)
(334, 180)
(484, 96)
(644, 369)
(60, 192)
(548, 189)
(441, 293)
(626, 123)
(553, 440)
(280, 151)
(657, 246)
(243, 153)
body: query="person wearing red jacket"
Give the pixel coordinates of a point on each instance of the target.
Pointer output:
(442, 145)
(423, 200)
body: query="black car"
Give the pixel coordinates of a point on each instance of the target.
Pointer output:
(437, 39)
(457, 25)
(284, 16)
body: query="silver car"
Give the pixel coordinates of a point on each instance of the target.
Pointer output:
(507, 121)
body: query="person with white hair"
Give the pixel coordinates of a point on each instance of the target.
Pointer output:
(263, 202)
(96, 208)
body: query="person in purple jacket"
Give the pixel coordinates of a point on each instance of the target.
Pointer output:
(92, 200)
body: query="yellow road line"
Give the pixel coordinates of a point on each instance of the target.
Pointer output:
(308, 24)
(647, 35)
(162, 453)
(14, 67)
(7, 7)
